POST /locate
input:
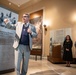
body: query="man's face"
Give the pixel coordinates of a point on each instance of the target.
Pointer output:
(25, 18)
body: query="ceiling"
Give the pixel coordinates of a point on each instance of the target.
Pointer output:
(18, 2)
(17, 5)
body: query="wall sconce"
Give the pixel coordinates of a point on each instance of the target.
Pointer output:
(46, 23)
(45, 28)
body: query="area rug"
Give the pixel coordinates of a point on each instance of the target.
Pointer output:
(48, 72)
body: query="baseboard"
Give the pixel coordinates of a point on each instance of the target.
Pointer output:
(7, 71)
(74, 61)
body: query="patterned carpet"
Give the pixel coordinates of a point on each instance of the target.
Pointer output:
(49, 72)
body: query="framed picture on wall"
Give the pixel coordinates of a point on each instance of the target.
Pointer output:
(37, 42)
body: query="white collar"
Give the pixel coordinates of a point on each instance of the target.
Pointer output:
(26, 24)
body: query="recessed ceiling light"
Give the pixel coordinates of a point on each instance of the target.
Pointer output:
(9, 3)
(18, 5)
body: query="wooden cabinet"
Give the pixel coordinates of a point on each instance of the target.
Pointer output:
(55, 54)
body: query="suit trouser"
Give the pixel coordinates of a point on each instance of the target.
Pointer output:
(23, 57)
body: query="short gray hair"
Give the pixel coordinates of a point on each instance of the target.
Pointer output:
(28, 15)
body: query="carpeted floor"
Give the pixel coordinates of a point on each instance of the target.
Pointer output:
(49, 72)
